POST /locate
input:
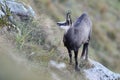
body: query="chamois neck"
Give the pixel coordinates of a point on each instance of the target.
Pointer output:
(67, 28)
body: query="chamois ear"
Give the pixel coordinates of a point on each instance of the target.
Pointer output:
(68, 14)
(68, 17)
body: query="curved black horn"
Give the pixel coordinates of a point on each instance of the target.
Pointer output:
(68, 17)
(68, 14)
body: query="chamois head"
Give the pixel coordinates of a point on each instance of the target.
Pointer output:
(67, 23)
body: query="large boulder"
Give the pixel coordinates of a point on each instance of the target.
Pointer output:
(100, 72)
(17, 8)
(89, 70)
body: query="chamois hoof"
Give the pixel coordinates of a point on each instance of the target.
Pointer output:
(85, 64)
(70, 63)
(77, 69)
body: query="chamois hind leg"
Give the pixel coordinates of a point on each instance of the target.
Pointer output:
(70, 55)
(83, 51)
(86, 46)
(76, 60)
(86, 55)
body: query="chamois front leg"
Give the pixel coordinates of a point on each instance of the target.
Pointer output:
(70, 56)
(76, 60)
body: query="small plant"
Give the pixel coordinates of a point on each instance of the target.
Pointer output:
(4, 19)
(21, 38)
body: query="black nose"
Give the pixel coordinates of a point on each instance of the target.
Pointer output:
(59, 24)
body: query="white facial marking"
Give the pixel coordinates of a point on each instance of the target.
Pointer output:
(62, 22)
(65, 27)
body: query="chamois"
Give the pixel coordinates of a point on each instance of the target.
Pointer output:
(76, 34)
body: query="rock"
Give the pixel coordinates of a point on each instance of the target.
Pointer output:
(19, 9)
(30, 11)
(1, 14)
(99, 72)
(2, 1)
(57, 65)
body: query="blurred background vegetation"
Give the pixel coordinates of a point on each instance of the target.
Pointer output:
(41, 40)
(105, 42)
